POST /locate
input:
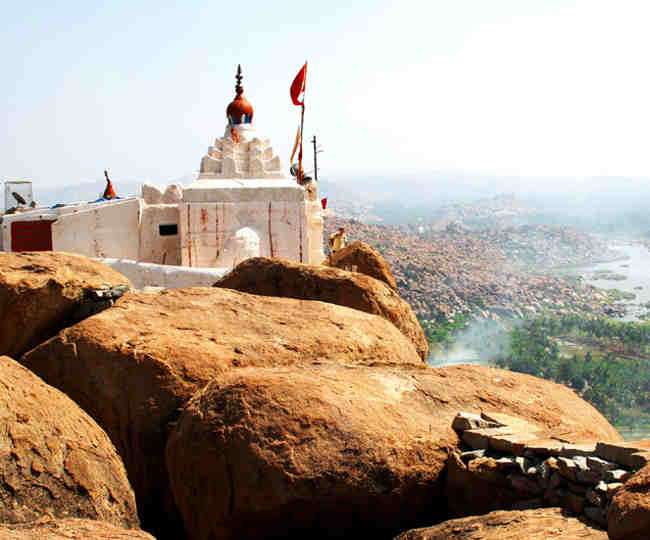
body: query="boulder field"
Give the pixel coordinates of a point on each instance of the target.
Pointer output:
(360, 257)
(281, 278)
(54, 459)
(41, 292)
(342, 449)
(69, 529)
(539, 524)
(131, 367)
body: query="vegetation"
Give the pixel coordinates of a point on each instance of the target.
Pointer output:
(604, 360)
(442, 332)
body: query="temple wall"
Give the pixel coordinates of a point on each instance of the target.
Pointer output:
(106, 230)
(224, 234)
(159, 244)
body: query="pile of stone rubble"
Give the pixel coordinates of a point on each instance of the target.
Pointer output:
(540, 472)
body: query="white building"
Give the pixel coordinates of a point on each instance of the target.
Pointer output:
(242, 205)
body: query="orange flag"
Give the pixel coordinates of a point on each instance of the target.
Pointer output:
(298, 86)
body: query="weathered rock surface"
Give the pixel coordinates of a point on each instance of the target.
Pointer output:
(629, 513)
(132, 366)
(365, 259)
(540, 524)
(54, 459)
(70, 529)
(277, 277)
(294, 451)
(40, 292)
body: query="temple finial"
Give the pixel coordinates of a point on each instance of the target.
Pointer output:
(239, 88)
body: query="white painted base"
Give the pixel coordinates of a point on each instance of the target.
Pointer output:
(144, 275)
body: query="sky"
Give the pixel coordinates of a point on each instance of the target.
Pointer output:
(519, 88)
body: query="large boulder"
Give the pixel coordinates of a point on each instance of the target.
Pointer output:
(41, 293)
(360, 257)
(54, 459)
(333, 450)
(133, 366)
(540, 524)
(278, 277)
(629, 513)
(70, 529)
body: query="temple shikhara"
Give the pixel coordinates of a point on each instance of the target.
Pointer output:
(241, 205)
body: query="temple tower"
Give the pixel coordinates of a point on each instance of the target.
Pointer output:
(243, 205)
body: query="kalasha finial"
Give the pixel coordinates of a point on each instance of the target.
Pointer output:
(239, 89)
(240, 111)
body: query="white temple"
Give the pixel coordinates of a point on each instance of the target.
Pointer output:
(242, 205)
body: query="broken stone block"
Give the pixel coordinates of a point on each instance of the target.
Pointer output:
(595, 498)
(524, 485)
(479, 439)
(588, 477)
(516, 424)
(613, 488)
(597, 515)
(600, 465)
(472, 454)
(507, 444)
(616, 475)
(542, 447)
(577, 488)
(464, 421)
(622, 453)
(567, 468)
(507, 464)
(572, 450)
(573, 502)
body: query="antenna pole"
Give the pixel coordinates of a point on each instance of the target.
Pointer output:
(313, 141)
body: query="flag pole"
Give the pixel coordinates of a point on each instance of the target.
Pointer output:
(302, 124)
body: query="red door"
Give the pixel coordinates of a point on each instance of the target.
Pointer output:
(31, 236)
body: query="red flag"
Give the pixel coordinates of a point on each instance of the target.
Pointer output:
(298, 86)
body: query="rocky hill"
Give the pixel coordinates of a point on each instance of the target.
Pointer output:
(492, 272)
(239, 415)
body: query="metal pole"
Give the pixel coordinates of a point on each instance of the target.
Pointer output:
(313, 141)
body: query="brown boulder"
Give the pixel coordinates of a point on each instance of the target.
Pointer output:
(133, 366)
(70, 529)
(360, 257)
(540, 524)
(54, 459)
(334, 449)
(41, 292)
(278, 277)
(628, 517)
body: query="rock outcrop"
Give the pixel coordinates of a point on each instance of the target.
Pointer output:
(70, 529)
(360, 257)
(281, 278)
(41, 293)
(540, 524)
(287, 452)
(133, 366)
(629, 513)
(54, 459)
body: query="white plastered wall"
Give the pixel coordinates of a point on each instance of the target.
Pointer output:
(155, 248)
(102, 230)
(209, 231)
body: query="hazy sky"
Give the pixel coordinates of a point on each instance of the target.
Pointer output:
(520, 87)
